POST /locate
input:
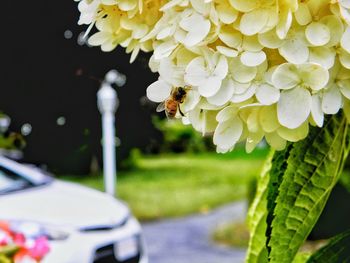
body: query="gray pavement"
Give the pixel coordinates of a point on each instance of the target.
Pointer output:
(188, 239)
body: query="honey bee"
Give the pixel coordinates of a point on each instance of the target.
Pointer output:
(172, 104)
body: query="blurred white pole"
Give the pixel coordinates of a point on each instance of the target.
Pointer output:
(5, 122)
(107, 103)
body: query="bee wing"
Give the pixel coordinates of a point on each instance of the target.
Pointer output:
(187, 88)
(161, 107)
(168, 116)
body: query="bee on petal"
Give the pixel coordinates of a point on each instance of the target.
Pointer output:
(172, 104)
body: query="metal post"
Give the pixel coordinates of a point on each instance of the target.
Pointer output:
(107, 103)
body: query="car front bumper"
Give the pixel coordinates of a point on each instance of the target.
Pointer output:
(97, 246)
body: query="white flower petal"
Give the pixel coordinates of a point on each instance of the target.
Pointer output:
(210, 86)
(127, 5)
(313, 75)
(294, 107)
(253, 140)
(99, 38)
(109, 2)
(185, 120)
(345, 40)
(88, 11)
(252, 59)
(108, 46)
(242, 73)
(303, 15)
(237, 98)
(140, 31)
(294, 135)
(268, 75)
(203, 120)
(164, 50)
(244, 5)
(332, 100)
(273, 19)
(335, 24)
(184, 57)
(324, 56)
(166, 32)
(267, 94)
(210, 122)
(268, 118)
(316, 110)
(253, 22)
(275, 141)
(221, 68)
(227, 113)
(226, 13)
(196, 118)
(223, 150)
(197, 27)
(172, 74)
(253, 121)
(230, 36)
(158, 91)
(134, 54)
(345, 13)
(317, 34)
(180, 35)
(285, 76)
(224, 94)
(284, 24)
(241, 87)
(191, 101)
(195, 72)
(153, 64)
(344, 86)
(227, 133)
(294, 51)
(201, 6)
(344, 58)
(228, 52)
(270, 39)
(345, 3)
(251, 43)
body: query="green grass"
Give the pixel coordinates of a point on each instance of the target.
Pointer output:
(179, 184)
(233, 235)
(236, 235)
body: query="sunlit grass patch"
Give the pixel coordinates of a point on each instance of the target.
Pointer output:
(174, 185)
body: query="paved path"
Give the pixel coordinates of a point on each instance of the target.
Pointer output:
(187, 240)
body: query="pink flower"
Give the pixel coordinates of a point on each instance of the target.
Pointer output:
(29, 251)
(19, 239)
(40, 248)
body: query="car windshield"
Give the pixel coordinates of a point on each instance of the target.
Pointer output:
(10, 182)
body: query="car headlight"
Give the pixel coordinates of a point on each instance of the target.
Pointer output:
(107, 227)
(34, 229)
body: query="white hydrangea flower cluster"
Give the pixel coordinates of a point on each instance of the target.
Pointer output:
(252, 69)
(120, 22)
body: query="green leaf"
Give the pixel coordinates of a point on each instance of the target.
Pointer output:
(8, 250)
(344, 179)
(313, 168)
(279, 166)
(262, 207)
(337, 250)
(301, 257)
(257, 214)
(4, 259)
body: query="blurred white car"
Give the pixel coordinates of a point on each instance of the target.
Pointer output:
(82, 225)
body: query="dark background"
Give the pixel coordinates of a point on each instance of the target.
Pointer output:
(45, 76)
